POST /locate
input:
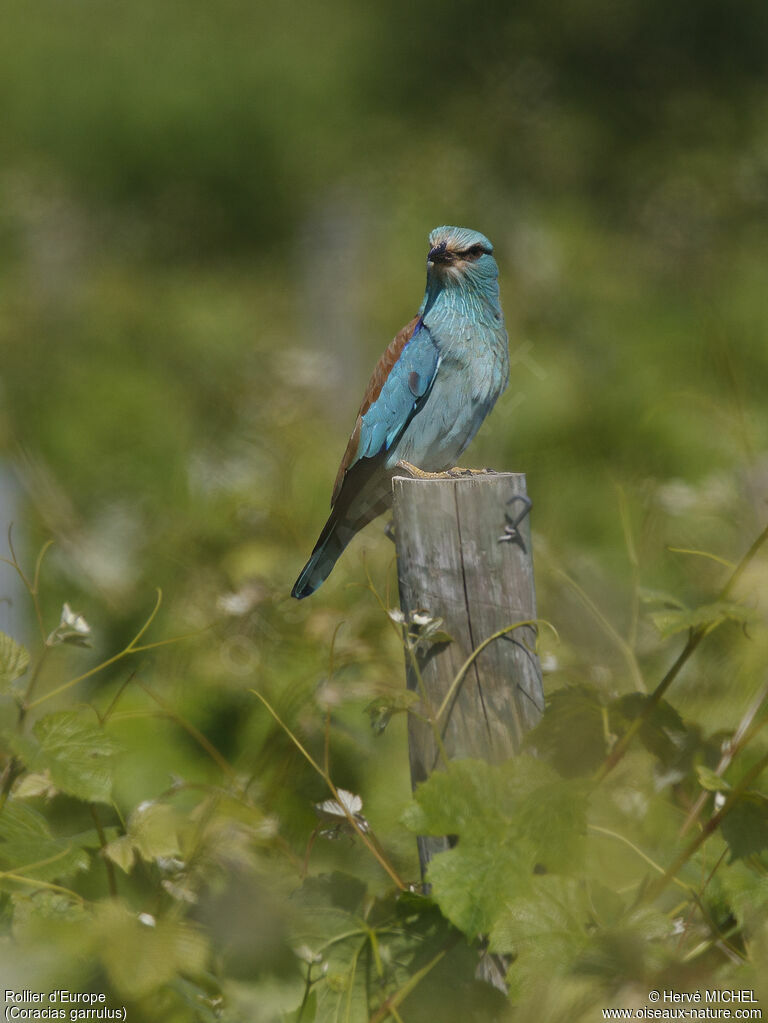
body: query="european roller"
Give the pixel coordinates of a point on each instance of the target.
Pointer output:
(431, 390)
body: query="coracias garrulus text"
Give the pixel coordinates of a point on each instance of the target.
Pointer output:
(429, 393)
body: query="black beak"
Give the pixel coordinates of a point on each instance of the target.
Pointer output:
(439, 254)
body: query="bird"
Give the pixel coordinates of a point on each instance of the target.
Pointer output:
(429, 394)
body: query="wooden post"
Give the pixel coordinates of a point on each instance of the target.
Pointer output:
(452, 564)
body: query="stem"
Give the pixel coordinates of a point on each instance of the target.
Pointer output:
(132, 648)
(695, 637)
(631, 845)
(431, 718)
(190, 729)
(741, 737)
(31, 587)
(626, 650)
(402, 632)
(390, 1006)
(365, 838)
(111, 879)
(629, 543)
(670, 875)
(33, 680)
(478, 650)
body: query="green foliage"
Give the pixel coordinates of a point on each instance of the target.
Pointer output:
(622, 843)
(745, 828)
(572, 733)
(212, 219)
(671, 621)
(29, 849)
(509, 821)
(14, 661)
(142, 955)
(77, 754)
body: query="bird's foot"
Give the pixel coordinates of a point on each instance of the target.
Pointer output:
(450, 474)
(458, 470)
(420, 474)
(511, 532)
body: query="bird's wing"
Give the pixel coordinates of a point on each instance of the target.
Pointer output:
(401, 380)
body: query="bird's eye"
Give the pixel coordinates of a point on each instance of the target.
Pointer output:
(475, 251)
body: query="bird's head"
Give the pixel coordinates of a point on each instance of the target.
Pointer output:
(460, 256)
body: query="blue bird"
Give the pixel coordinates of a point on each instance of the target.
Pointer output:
(430, 392)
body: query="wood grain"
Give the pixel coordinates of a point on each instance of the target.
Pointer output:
(452, 564)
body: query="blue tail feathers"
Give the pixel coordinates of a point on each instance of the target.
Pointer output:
(320, 565)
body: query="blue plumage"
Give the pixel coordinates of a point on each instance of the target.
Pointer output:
(429, 394)
(407, 384)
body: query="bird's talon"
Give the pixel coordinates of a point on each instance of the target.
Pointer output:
(459, 470)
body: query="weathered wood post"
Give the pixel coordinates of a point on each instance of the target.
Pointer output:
(452, 564)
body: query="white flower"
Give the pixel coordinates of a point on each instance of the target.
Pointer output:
(72, 628)
(421, 617)
(74, 621)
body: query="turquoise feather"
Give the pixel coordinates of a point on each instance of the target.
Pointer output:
(429, 394)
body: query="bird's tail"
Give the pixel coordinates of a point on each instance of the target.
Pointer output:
(333, 539)
(365, 495)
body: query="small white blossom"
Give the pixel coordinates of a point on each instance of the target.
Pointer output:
(72, 628)
(305, 953)
(74, 621)
(421, 617)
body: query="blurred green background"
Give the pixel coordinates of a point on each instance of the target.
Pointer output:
(213, 218)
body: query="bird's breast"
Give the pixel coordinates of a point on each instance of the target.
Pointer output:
(472, 373)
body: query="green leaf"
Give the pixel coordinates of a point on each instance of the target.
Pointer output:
(671, 621)
(745, 826)
(512, 821)
(382, 709)
(472, 792)
(473, 882)
(142, 956)
(664, 734)
(362, 950)
(31, 785)
(745, 894)
(121, 852)
(33, 907)
(28, 847)
(153, 830)
(709, 780)
(75, 750)
(14, 661)
(571, 734)
(648, 596)
(306, 1012)
(622, 952)
(548, 921)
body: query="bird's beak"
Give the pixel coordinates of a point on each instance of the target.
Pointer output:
(438, 254)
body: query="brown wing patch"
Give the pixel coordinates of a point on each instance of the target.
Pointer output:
(375, 384)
